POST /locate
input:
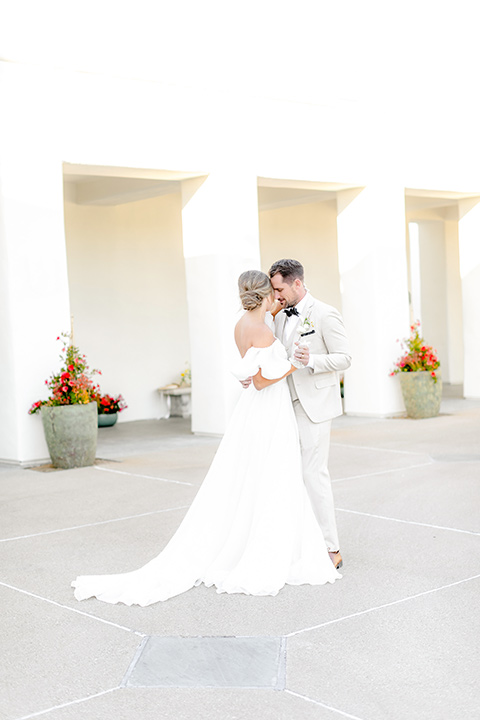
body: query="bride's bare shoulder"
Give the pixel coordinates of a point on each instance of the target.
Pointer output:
(248, 334)
(261, 336)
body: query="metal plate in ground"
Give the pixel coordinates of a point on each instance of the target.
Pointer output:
(243, 662)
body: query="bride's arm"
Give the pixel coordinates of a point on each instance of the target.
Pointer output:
(260, 382)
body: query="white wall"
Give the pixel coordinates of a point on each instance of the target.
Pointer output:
(307, 233)
(128, 296)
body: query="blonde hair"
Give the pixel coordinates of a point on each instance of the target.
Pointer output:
(253, 286)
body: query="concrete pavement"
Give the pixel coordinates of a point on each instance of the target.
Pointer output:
(395, 639)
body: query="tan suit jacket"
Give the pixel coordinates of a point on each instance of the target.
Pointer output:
(318, 389)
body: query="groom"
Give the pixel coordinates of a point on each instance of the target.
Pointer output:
(315, 389)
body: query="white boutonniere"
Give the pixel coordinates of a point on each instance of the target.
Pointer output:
(306, 327)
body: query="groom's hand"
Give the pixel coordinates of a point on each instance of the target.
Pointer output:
(246, 383)
(302, 354)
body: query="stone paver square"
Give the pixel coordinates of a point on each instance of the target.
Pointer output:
(222, 662)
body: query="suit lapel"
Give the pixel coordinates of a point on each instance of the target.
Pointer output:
(295, 337)
(307, 312)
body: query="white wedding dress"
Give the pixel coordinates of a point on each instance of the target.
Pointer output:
(251, 528)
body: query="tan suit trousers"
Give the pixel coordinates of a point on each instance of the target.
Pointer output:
(315, 445)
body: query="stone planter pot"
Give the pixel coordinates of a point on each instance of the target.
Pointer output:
(107, 420)
(71, 434)
(421, 394)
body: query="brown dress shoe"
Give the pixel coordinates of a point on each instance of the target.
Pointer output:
(336, 559)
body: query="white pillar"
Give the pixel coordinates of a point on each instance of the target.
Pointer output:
(373, 273)
(221, 240)
(34, 302)
(434, 288)
(469, 247)
(415, 272)
(454, 304)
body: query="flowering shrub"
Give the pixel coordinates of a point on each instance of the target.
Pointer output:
(73, 384)
(418, 356)
(108, 405)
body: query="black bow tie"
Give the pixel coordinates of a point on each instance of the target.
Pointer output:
(289, 311)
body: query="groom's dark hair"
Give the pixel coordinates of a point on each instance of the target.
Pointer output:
(290, 270)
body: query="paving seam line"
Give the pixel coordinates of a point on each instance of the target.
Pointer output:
(377, 449)
(148, 477)
(321, 704)
(408, 522)
(68, 704)
(100, 522)
(383, 472)
(71, 609)
(381, 607)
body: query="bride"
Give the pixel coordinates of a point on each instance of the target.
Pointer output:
(250, 528)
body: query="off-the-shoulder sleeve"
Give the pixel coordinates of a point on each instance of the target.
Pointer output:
(272, 361)
(246, 366)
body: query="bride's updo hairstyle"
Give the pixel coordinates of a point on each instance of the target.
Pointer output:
(253, 286)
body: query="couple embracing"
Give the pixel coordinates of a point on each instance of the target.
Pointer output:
(264, 516)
